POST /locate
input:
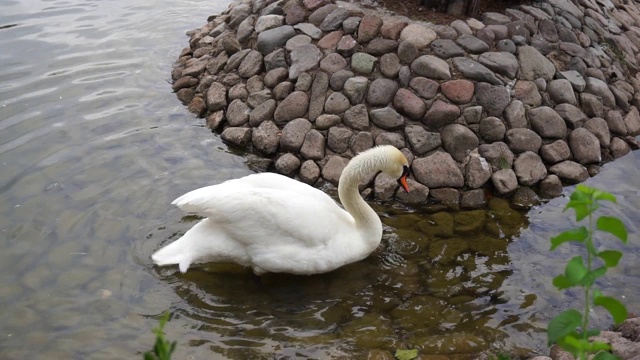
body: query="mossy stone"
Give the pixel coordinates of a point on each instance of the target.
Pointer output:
(469, 222)
(439, 224)
(446, 251)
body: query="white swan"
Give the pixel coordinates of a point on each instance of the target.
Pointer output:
(272, 223)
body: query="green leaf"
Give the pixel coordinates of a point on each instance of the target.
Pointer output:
(603, 355)
(563, 324)
(590, 277)
(582, 209)
(614, 226)
(406, 354)
(615, 307)
(576, 343)
(575, 270)
(585, 190)
(578, 234)
(610, 257)
(599, 346)
(561, 282)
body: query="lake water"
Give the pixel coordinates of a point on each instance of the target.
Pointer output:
(93, 148)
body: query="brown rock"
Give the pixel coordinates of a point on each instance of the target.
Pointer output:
(458, 91)
(333, 169)
(440, 114)
(409, 104)
(313, 145)
(369, 27)
(438, 170)
(294, 106)
(555, 152)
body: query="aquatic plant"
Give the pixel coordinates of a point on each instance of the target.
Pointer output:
(162, 349)
(562, 329)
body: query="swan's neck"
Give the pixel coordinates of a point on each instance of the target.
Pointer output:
(359, 168)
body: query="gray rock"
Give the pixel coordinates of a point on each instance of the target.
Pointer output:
(236, 136)
(524, 198)
(573, 49)
(332, 63)
(238, 91)
(472, 114)
(503, 63)
(296, 41)
(477, 171)
(304, 82)
(389, 138)
(338, 139)
(493, 18)
(282, 90)
(216, 97)
(287, 164)
(407, 52)
(271, 39)
(547, 123)
(632, 121)
(313, 145)
(615, 122)
(438, 170)
(347, 46)
(265, 138)
(506, 45)
(548, 30)
(458, 140)
(361, 141)
(333, 21)
(339, 78)
(326, 121)
(381, 92)
(272, 9)
(600, 88)
(293, 134)
(575, 79)
(254, 84)
(309, 29)
(425, 88)
(440, 114)
(494, 99)
(357, 117)
(386, 118)
(534, 65)
(447, 196)
(309, 172)
(369, 28)
(504, 181)
(492, 129)
(461, 28)
(473, 199)
(318, 94)
(555, 152)
(543, 46)
(237, 113)
(522, 139)
(528, 93)
(350, 25)
(431, 67)
(318, 16)
(255, 99)
(333, 169)
(304, 58)
(275, 59)
(275, 77)
(245, 29)
(550, 187)
(473, 70)
(379, 46)
(487, 36)
(418, 34)
(592, 105)
(295, 15)
(529, 168)
(268, 22)
(514, 114)
(417, 195)
(363, 63)
(336, 103)
(497, 154)
(619, 148)
(404, 76)
(573, 116)
(238, 14)
(384, 187)
(390, 65)
(421, 140)
(409, 104)
(472, 44)
(355, 89)
(599, 128)
(561, 92)
(570, 171)
(444, 49)
(584, 146)
(215, 119)
(294, 106)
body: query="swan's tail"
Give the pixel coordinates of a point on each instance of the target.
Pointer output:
(173, 254)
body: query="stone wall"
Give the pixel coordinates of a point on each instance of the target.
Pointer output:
(516, 104)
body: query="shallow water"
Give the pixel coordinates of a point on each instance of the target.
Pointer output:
(94, 147)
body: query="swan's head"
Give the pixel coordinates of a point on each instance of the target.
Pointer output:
(397, 165)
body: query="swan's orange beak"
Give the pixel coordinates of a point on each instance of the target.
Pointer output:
(403, 179)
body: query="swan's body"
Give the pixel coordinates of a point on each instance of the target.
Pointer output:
(273, 223)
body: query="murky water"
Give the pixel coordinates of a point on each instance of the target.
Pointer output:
(93, 148)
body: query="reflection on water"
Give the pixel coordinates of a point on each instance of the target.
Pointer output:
(94, 147)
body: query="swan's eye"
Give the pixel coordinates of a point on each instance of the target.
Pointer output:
(405, 170)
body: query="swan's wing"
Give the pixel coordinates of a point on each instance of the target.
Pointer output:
(274, 181)
(268, 216)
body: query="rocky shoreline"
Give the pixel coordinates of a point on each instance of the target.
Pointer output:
(516, 104)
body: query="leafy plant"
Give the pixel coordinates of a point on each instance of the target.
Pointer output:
(406, 354)
(162, 349)
(562, 329)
